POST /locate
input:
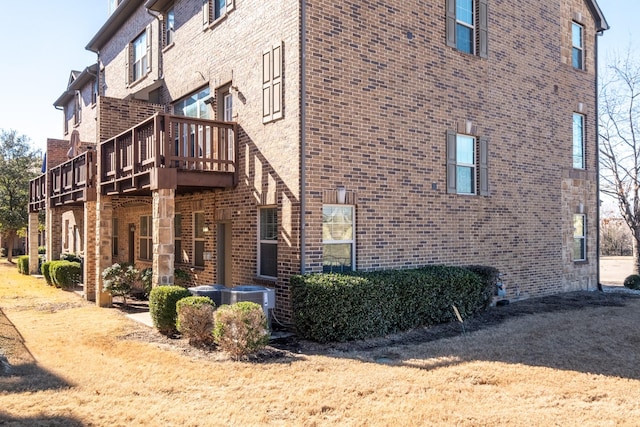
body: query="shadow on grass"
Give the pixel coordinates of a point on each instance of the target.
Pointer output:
(25, 375)
(563, 331)
(9, 420)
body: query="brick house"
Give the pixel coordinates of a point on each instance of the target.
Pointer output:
(451, 132)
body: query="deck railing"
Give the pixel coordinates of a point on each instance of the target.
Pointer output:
(71, 180)
(38, 193)
(167, 141)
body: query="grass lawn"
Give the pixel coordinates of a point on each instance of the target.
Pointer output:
(571, 361)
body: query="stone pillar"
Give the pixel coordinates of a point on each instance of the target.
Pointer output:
(90, 245)
(54, 233)
(163, 212)
(33, 242)
(103, 242)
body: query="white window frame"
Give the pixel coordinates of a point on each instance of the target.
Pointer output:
(326, 241)
(198, 236)
(579, 238)
(212, 11)
(169, 27)
(77, 105)
(579, 47)
(267, 241)
(472, 166)
(139, 57)
(578, 142)
(146, 238)
(471, 26)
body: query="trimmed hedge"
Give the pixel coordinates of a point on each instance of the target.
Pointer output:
(23, 264)
(45, 268)
(162, 306)
(65, 274)
(341, 307)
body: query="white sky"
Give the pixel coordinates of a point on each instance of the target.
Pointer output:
(43, 42)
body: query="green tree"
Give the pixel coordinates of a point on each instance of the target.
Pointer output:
(18, 165)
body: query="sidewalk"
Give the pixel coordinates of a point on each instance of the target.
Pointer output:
(614, 269)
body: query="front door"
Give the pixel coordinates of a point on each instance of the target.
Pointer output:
(132, 243)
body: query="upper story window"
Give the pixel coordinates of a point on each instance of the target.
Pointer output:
(139, 56)
(212, 10)
(467, 26)
(577, 43)
(169, 26)
(467, 164)
(94, 91)
(77, 108)
(578, 141)
(194, 105)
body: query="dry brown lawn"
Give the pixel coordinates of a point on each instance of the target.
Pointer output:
(568, 361)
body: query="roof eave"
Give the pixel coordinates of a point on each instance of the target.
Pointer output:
(601, 21)
(113, 24)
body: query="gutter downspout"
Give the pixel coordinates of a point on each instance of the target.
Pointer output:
(303, 134)
(598, 34)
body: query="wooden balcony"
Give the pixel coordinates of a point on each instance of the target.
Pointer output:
(38, 193)
(166, 151)
(73, 182)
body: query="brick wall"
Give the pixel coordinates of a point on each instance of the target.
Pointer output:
(383, 90)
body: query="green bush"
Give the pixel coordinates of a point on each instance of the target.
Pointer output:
(182, 278)
(65, 274)
(23, 264)
(70, 257)
(341, 307)
(42, 250)
(195, 319)
(240, 329)
(632, 282)
(162, 307)
(46, 273)
(119, 279)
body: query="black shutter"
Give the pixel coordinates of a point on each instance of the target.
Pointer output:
(451, 23)
(484, 166)
(483, 28)
(451, 162)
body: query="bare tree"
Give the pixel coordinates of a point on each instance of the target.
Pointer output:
(619, 131)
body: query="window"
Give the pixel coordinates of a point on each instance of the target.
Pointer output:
(194, 105)
(338, 241)
(268, 242)
(467, 26)
(467, 169)
(94, 91)
(146, 238)
(139, 53)
(169, 25)
(579, 237)
(212, 10)
(66, 120)
(578, 141)
(272, 62)
(198, 239)
(177, 244)
(577, 51)
(114, 237)
(77, 108)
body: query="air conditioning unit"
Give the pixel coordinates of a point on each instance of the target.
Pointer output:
(265, 297)
(212, 291)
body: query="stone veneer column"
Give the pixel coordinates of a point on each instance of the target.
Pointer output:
(103, 252)
(90, 255)
(54, 233)
(33, 243)
(163, 212)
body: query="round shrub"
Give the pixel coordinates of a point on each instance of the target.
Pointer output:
(65, 274)
(240, 329)
(45, 272)
(23, 264)
(632, 282)
(162, 307)
(195, 319)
